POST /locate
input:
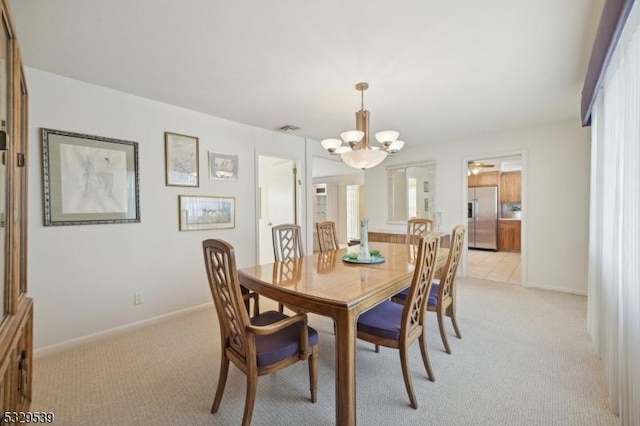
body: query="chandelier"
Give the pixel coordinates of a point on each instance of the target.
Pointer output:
(357, 152)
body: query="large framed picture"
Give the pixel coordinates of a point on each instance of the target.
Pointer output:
(206, 212)
(89, 179)
(223, 166)
(181, 160)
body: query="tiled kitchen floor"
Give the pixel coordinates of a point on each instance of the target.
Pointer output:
(496, 266)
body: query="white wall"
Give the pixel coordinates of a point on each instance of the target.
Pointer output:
(82, 278)
(555, 187)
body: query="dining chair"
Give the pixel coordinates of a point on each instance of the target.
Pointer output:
(327, 236)
(287, 242)
(258, 345)
(442, 298)
(397, 326)
(417, 227)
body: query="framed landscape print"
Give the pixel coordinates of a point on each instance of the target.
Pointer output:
(206, 212)
(223, 166)
(89, 179)
(181, 160)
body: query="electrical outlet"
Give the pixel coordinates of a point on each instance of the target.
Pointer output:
(138, 298)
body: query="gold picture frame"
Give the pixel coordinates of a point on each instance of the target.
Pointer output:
(181, 160)
(223, 166)
(206, 212)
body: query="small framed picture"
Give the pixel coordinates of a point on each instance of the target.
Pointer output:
(223, 166)
(89, 179)
(206, 212)
(181, 160)
(426, 186)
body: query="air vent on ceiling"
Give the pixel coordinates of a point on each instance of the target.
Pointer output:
(288, 128)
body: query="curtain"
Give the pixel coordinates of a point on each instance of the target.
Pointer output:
(614, 240)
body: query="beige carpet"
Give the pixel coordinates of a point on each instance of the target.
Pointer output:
(524, 359)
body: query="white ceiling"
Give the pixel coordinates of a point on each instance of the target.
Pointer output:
(437, 70)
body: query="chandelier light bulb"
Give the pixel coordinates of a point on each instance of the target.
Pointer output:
(331, 144)
(352, 136)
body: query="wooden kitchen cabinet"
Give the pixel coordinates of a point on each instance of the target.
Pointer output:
(510, 187)
(483, 179)
(509, 232)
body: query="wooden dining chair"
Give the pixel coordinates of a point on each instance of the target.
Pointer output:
(287, 242)
(258, 345)
(417, 227)
(442, 299)
(327, 236)
(397, 326)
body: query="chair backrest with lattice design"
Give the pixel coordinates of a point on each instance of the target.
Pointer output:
(451, 267)
(220, 261)
(417, 228)
(287, 242)
(414, 307)
(327, 237)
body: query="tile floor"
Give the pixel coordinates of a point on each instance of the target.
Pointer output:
(496, 266)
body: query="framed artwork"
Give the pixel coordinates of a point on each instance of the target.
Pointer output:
(181, 160)
(206, 212)
(89, 179)
(223, 166)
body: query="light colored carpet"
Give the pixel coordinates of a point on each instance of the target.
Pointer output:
(524, 359)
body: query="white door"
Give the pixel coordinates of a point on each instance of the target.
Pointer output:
(277, 200)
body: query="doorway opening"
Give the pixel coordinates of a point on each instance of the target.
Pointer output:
(278, 200)
(494, 208)
(338, 196)
(353, 212)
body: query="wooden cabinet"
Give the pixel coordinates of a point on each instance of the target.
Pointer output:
(483, 179)
(509, 235)
(16, 319)
(510, 184)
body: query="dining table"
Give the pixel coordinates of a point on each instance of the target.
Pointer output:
(333, 285)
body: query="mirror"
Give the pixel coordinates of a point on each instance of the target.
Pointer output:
(410, 191)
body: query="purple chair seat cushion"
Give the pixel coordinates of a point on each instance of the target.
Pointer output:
(278, 346)
(433, 296)
(383, 320)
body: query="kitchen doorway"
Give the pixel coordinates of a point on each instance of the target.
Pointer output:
(495, 205)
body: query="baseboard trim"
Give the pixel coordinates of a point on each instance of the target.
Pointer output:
(553, 288)
(68, 344)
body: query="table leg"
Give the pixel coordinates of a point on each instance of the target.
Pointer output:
(345, 369)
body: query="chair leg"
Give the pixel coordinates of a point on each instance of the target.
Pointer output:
(222, 381)
(313, 373)
(252, 385)
(377, 348)
(443, 334)
(404, 361)
(280, 308)
(451, 312)
(425, 357)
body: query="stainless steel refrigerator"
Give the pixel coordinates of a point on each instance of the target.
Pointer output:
(483, 217)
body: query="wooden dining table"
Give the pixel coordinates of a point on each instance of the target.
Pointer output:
(325, 284)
